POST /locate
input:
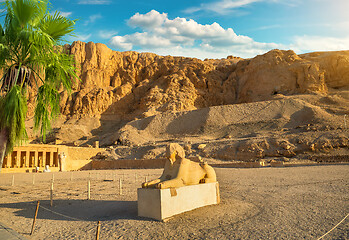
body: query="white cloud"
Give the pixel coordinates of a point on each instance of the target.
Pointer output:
(317, 43)
(92, 19)
(150, 20)
(144, 40)
(181, 36)
(150, 40)
(94, 2)
(120, 42)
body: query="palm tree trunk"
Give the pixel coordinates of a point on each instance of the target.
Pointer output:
(3, 144)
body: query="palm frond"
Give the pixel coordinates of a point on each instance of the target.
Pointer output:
(41, 45)
(47, 108)
(61, 70)
(2, 33)
(57, 26)
(4, 54)
(28, 12)
(13, 109)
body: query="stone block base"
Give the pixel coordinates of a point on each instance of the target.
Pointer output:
(161, 204)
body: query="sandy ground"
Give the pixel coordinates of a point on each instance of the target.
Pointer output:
(266, 203)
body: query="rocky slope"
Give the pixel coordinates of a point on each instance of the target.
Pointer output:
(242, 109)
(287, 127)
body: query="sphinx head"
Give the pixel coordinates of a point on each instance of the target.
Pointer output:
(174, 151)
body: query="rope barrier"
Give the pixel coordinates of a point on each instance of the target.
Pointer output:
(333, 227)
(62, 215)
(66, 216)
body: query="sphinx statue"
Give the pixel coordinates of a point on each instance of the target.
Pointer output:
(179, 171)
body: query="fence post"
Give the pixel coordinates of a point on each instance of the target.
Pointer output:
(98, 229)
(51, 194)
(120, 186)
(36, 214)
(88, 190)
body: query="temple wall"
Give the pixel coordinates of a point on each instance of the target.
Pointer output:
(79, 158)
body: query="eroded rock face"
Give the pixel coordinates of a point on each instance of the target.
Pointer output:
(277, 72)
(132, 84)
(335, 65)
(144, 83)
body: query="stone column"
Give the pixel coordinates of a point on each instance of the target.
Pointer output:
(43, 158)
(21, 160)
(18, 159)
(32, 162)
(51, 159)
(40, 161)
(36, 159)
(27, 155)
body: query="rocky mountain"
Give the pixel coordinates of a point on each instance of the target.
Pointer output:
(275, 104)
(142, 84)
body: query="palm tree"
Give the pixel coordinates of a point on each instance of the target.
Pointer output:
(30, 56)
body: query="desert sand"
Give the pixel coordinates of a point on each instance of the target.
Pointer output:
(266, 203)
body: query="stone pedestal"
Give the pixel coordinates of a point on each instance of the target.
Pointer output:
(161, 204)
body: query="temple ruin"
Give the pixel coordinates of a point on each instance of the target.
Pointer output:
(30, 157)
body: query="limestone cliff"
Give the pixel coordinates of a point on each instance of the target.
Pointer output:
(138, 102)
(131, 84)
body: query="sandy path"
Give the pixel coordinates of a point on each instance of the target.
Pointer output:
(268, 203)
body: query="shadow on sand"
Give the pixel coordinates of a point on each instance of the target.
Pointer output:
(77, 210)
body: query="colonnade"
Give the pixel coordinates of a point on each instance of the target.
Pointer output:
(31, 157)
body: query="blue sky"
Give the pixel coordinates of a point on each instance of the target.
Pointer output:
(212, 28)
